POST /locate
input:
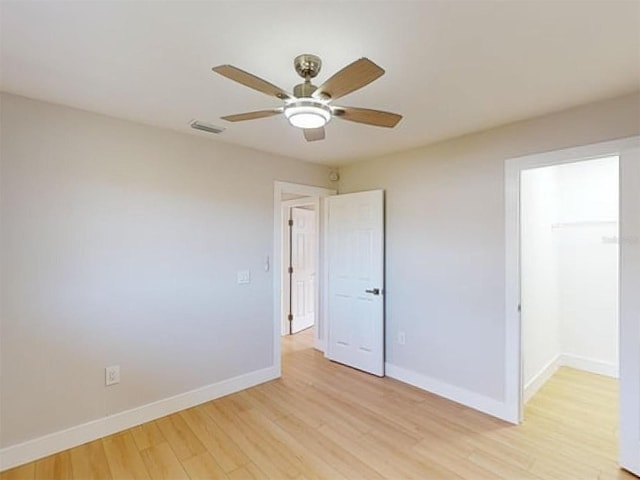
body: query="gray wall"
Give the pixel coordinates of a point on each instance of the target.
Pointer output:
(121, 242)
(120, 245)
(445, 267)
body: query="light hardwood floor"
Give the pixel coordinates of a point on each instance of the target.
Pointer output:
(323, 420)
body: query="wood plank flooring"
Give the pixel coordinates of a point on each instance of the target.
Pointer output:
(323, 420)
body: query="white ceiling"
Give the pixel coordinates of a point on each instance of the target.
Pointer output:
(453, 67)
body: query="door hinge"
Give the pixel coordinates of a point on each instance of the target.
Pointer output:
(290, 270)
(290, 317)
(291, 222)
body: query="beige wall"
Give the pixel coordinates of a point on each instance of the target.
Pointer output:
(120, 245)
(445, 265)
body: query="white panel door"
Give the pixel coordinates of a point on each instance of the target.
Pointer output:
(356, 280)
(303, 261)
(630, 310)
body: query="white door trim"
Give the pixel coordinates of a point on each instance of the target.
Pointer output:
(513, 168)
(279, 188)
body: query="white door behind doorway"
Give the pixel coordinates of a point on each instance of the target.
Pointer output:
(356, 280)
(303, 262)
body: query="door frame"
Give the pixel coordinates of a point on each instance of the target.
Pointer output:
(514, 405)
(286, 206)
(279, 188)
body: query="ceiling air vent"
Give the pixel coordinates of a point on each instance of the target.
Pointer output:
(206, 127)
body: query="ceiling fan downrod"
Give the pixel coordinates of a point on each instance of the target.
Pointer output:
(307, 66)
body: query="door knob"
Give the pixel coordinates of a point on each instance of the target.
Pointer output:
(375, 291)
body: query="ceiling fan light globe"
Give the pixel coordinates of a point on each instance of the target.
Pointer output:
(307, 120)
(307, 114)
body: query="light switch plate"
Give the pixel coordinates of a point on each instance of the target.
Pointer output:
(112, 375)
(244, 277)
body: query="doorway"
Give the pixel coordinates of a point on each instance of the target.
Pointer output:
(569, 272)
(348, 282)
(628, 152)
(310, 195)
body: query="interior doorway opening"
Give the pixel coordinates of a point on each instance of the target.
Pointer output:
(349, 274)
(569, 284)
(291, 195)
(628, 412)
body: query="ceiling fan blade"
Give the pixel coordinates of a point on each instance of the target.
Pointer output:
(249, 80)
(352, 77)
(376, 118)
(239, 117)
(313, 134)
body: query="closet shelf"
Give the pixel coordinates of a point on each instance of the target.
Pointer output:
(595, 223)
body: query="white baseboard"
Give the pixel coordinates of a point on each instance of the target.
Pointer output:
(567, 360)
(540, 378)
(590, 365)
(71, 437)
(470, 399)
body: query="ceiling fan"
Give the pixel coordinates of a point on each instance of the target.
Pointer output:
(310, 108)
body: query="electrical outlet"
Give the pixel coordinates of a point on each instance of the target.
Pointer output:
(401, 338)
(112, 375)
